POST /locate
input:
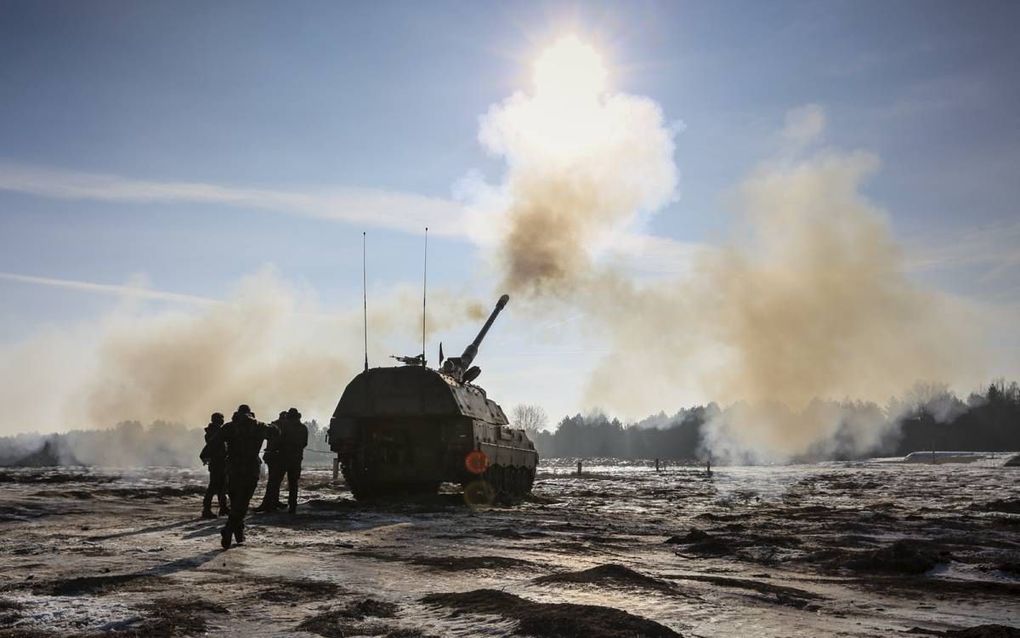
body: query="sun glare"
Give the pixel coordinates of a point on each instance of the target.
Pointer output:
(568, 115)
(569, 70)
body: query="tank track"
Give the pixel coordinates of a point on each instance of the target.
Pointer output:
(501, 484)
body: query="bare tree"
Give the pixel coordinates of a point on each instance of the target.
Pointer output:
(530, 417)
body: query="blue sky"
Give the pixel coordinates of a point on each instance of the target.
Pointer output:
(385, 98)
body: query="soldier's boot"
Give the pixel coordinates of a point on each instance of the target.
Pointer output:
(263, 507)
(207, 513)
(280, 505)
(239, 535)
(292, 509)
(225, 537)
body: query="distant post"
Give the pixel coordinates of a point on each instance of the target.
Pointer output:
(708, 465)
(656, 465)
(579, 467)
(336, 469)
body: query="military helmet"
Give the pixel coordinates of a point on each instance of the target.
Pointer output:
(283, 415)
(293, 413)
(217, 417)
(243, 409)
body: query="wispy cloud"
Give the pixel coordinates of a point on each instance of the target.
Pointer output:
(991, 253)
(129, 291)
(804, 125)
(407, 212)
(949, 92)
(996, 247)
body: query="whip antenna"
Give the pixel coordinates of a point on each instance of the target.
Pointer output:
(364, 291)
(424, 294)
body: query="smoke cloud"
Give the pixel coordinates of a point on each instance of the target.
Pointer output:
(581, 164)
(269, 345)
(808, 299)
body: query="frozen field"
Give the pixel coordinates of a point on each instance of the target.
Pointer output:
(856, 549)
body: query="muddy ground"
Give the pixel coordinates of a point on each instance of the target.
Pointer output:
(863, 549)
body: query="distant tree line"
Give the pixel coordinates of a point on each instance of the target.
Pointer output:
(928, 417)
(989, 421)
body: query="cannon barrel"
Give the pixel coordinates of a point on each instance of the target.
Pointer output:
(471, 351)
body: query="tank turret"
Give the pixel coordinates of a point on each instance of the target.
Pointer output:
(399, 430)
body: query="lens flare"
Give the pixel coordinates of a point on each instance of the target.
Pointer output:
(476, 462)
(479, 494)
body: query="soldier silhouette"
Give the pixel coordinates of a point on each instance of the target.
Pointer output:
(293, 441)
(273, 459)
(243, 438)
(214, 454)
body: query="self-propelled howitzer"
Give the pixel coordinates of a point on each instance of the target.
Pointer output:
(406, 429)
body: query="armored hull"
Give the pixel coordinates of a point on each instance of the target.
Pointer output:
(400, 430)
(407, 429)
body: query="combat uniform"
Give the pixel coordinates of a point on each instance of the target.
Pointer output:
(293, 440)
(243, 438)
(271, 499)
(215, 455)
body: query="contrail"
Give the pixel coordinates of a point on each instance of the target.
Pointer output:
(111, 289)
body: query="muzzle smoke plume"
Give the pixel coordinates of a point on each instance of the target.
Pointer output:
(808, 299)
(581, 164)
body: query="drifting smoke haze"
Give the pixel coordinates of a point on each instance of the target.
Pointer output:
(269, 345)
(817, 303)
(809, 299)
(127, 445)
